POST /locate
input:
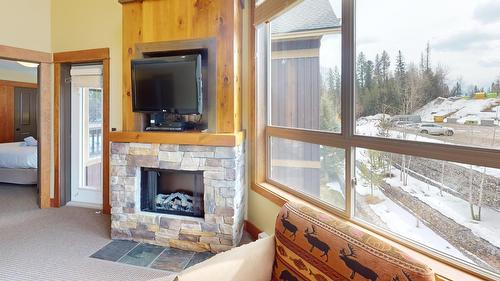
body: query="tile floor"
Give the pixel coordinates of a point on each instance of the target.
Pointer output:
(152, 256)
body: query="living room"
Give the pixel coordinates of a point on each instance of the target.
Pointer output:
(254, 140)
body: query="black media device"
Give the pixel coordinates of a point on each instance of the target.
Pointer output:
(163, 85)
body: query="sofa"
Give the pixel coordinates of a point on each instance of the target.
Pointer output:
(311, 245)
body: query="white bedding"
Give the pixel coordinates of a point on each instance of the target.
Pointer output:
(17, 155)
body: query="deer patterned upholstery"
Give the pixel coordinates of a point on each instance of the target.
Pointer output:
(315, 246)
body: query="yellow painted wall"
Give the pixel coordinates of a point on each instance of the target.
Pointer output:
(25, 24)
(90, 24)
(260, 211)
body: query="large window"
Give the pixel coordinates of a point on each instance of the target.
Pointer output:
(387, 113)
(432, 78)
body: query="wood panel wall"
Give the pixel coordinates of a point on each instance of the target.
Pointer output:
(7, 108)
(6, 114)
(168, 20)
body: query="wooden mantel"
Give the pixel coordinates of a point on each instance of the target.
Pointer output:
(189, 138)
(148, 21)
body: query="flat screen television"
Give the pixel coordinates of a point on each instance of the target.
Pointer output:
(167, 84)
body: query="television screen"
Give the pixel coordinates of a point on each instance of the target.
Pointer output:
(167, 84)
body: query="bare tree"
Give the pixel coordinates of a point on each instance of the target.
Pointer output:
(474, 216)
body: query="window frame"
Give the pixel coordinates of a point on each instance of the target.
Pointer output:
(261, 132)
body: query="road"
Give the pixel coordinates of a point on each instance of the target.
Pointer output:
(468, 135)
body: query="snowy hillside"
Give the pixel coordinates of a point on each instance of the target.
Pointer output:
(462, 109)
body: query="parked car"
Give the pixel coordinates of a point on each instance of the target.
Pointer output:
(434, 129)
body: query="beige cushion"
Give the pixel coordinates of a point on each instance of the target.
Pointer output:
(252, 262)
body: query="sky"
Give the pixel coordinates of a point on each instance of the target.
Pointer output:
(464, 35)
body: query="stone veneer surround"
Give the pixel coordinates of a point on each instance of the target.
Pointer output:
(224, 196)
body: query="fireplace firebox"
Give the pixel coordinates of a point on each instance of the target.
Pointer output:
(172, 192)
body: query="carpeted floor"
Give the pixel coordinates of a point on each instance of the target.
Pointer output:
(55, 244)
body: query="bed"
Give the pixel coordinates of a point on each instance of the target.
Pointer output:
(18, 163)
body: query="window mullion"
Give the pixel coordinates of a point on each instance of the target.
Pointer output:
(348, 54)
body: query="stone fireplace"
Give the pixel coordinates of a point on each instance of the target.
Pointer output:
(183, 196)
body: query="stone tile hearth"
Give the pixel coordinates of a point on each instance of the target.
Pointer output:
(152, 256)
(221, 227)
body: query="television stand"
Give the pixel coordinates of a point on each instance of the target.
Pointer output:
(173, 126)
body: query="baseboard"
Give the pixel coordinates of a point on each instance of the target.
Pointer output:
(84, 205)
(54, 203)
(252, 230)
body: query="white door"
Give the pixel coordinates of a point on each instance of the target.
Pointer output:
(86, 136)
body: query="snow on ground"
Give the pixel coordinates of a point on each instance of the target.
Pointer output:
(336, 186)
(368, 126)
(453, 207)
(450, 206)
(489, 171)
(404, 223)
(466, 109)
(399, 220)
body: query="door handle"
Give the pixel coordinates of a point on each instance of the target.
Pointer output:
(18, 129)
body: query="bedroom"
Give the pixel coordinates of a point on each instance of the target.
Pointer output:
(18, 130)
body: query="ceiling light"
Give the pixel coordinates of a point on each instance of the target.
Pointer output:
(28, 64)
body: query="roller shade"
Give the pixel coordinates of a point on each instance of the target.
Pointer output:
(89, 76)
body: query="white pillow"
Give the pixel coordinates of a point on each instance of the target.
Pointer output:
(250, 262)
(30, 141)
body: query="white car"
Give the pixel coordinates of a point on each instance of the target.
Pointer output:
(434, 129)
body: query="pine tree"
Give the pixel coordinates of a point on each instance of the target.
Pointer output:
(377, 71)
(330, 101)
(368, 74)
(456, 91)
(373, 170)
(427, 57)
(400, 76)
(361, 71)
(385, 64)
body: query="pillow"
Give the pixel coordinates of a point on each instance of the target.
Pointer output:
(311, 245)
(250, 262)
(30, 141)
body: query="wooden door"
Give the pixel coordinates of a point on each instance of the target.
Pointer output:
(25, 112)
(6, 114)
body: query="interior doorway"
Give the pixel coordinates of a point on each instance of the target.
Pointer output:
(86, 135)
(35, 122)
(81, 127)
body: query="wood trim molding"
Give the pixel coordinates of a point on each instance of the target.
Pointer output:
(44, 133)
(56, 128)
(271, 9)
(92, 55)
(252, 230)
(13, 53)
(189, 138)
(106, 206)
(44, 113)
(18, 84)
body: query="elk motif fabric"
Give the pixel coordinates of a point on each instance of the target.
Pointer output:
(315, 246)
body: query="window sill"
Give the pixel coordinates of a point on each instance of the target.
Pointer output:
(444, 272)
